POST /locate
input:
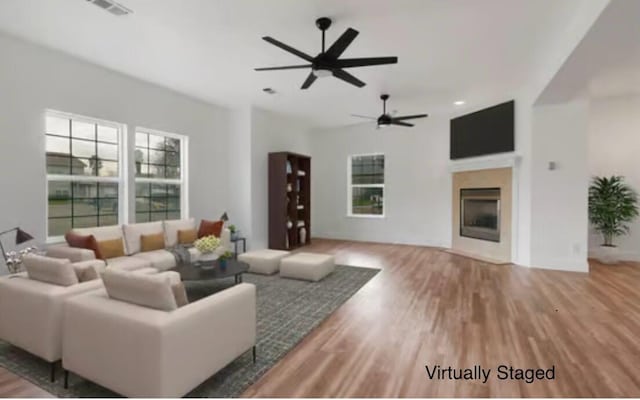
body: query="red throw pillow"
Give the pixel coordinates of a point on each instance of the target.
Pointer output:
(208, 228)
(84, 242)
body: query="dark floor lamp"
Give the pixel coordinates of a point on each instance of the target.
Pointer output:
(21, 237)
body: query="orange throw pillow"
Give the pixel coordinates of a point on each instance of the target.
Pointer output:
(208, 228)
(84, 242)
(111, 248)
(187, 236)
(152, 242)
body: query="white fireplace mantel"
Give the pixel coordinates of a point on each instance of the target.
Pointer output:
(505, 160)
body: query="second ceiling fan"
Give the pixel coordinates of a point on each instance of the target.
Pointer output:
(328, 62)
(386, 119)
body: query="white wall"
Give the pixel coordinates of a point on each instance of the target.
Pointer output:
(271, 132)
(33, 79)
(559, 197)
(614, 146)
(417, 183)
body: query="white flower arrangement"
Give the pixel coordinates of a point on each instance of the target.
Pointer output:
(207, 244)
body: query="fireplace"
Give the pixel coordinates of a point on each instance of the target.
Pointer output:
(480, 214)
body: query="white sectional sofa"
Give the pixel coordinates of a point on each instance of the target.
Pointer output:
(130, 234)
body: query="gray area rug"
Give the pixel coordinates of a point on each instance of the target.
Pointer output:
(287, 311)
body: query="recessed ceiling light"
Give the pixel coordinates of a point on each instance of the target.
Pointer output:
(459, 102)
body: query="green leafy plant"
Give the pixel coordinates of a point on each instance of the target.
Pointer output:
(612, 206)
(232, 228)
(227, 255)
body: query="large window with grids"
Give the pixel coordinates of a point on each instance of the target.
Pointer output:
(84, 172)
(366, 185)
(160, 175)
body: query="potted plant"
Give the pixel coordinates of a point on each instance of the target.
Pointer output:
(233, 230)
(612, 206)
(222, 260)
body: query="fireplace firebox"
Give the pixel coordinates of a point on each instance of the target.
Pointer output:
(480, 213)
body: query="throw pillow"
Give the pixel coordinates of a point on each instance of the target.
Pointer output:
(85, 273)
(153, 291)
(111, 248)
(57, 271)
(152, 242)
(187, 236)
(208, 228)
(88, 242)
(180, 294)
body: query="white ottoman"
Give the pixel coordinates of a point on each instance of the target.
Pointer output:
(307, 266)
(264, 261)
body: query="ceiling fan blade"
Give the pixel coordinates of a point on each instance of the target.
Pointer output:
(288, 48)
(394, 122)
(364, 62)
(309, 81)
(347, 77)
(364, 116)
(340, 45)
(286, 67)
(404, 117)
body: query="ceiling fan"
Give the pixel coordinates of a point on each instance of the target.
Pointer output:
(328, 62)
(386, 120)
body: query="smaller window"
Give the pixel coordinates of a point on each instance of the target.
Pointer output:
(366, 185)
(160, 176)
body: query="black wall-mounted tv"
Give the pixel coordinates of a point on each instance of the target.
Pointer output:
(488, 131)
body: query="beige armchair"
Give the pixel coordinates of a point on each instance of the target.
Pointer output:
(31, 314)
(142, 352)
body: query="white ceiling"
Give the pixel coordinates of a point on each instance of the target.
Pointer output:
(474, 50)
(607, 60)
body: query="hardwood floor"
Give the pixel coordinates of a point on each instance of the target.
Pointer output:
(429, 307)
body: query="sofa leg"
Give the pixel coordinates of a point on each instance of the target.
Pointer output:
(66, 379)
(254, 354)
(53, 371)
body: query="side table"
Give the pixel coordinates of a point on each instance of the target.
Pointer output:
(235, 245)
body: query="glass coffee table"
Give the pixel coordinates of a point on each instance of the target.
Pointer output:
(211, 270)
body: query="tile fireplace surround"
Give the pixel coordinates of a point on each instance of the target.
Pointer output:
(488, 250)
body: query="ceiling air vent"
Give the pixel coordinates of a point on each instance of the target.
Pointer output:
(111, 6)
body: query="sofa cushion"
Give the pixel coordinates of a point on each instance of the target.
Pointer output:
(111, 248)
(133, 233)
(153, 291)
(172, 227)
(208, 228)
(127, 263)
(159, 259)
(101, 232)
(51, 270)
(154, 241)
(187, 236)
(88, 242)
(85, 272)
(180, 294)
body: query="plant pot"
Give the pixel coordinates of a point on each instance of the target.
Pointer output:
(223, 263)
(608, 255)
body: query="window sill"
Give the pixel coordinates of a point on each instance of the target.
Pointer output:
(366, 216)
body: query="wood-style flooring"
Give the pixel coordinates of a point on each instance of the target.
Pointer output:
(429, 307)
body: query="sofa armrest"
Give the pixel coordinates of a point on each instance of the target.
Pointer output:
(31, 313)
(170, 352)
(72, 253)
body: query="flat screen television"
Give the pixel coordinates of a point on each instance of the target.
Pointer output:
(488, 131)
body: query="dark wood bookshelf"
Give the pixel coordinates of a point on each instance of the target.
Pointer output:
(289, 200)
